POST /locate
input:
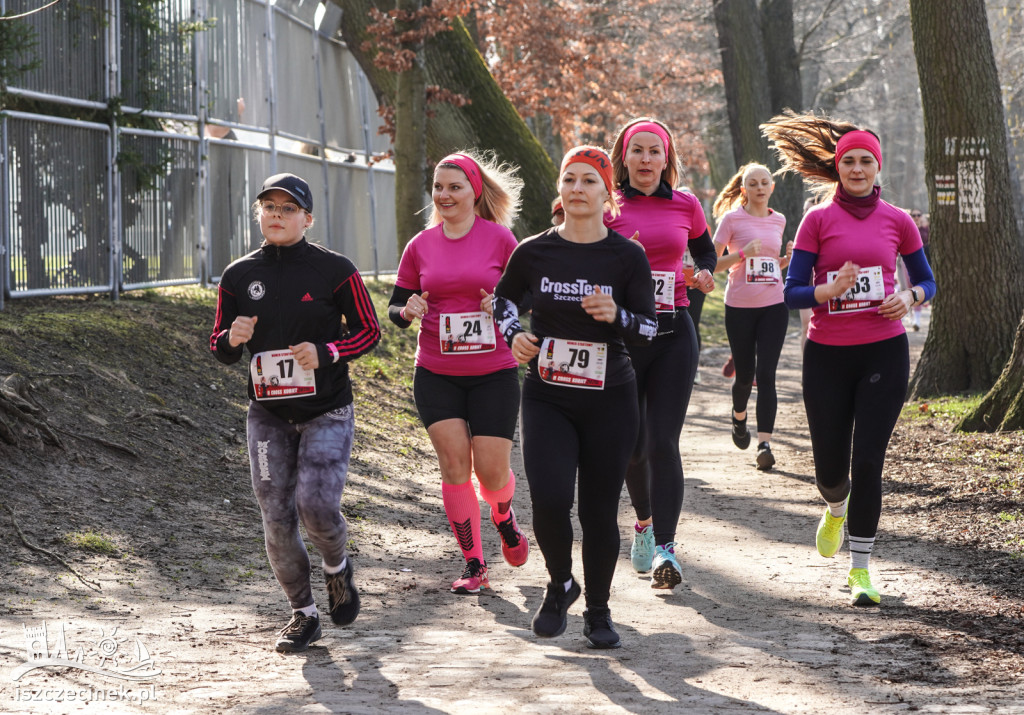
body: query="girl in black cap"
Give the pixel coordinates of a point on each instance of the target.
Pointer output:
(286, 302)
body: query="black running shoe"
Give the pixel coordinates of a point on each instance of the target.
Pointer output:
(765, 458)
(550, 619)
(342, 595)
(740, 433)
(299, 633)
(597, 627)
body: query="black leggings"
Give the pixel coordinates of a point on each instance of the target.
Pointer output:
(853, 395)
(664, 377)
(696, 297)
(756, 336)
(566, 429)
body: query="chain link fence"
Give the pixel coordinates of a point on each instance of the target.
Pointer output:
(138, 143)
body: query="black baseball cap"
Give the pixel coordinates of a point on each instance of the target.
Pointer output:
(292, 185)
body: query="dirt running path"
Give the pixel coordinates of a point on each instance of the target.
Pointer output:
(760, 624)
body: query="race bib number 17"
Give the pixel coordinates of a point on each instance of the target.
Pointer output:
(277, 375)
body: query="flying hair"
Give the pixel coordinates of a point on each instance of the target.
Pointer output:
(806, 145)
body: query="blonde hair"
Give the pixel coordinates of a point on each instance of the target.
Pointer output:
(732, 194)
(500, 192)
(806, 145)
(670, 174)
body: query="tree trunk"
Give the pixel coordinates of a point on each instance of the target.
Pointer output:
(489, 122)
(1003, 407)
(410, 136)
(747, 90)
(976, 248)
(761, 71)
(782, 66)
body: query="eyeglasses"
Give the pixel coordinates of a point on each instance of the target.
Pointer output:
(915, 215)
(289, 210)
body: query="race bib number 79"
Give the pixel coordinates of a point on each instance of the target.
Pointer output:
(573, 363)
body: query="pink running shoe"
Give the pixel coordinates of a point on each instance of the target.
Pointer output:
(473, 578)
(514, 546)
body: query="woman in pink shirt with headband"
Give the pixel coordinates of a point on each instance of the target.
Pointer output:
(466, 384)
(856, 360)
(668, 224)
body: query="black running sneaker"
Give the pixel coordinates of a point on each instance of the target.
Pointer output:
(299, 633)
(740, 433)
(342, 595)
(597, 627)
(550, 619)
(765, 458)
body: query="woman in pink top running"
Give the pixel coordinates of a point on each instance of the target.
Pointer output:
(666, 223)
(856, 359)
(466, 384)
(756, 317)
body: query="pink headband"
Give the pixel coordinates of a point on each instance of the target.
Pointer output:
(470, 168)
(592, 156)
(652, 127)
(859, 139)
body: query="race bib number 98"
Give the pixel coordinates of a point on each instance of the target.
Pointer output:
(277, 375)
(763, 269)
(868, 292)
(573, 363)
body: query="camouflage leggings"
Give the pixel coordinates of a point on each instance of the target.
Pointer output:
(299, 472)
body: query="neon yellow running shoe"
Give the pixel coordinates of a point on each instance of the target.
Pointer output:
(830, 533)
(862, 593)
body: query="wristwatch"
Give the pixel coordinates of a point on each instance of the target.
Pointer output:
(913, 292)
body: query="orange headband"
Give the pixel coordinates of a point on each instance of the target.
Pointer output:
(593, 156)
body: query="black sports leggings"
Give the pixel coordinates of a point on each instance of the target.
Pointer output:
(566, 429)
(853, 395)
(664, 377)
(756, 336)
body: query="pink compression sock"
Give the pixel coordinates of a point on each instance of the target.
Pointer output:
(500, 500)
(463, 512)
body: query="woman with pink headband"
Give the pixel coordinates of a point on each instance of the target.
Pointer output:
(667, 223)
(856, 359)
(590, 289)
(466, 384)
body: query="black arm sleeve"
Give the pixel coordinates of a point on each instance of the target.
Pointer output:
(705, 257)
(399, 297)
(637, 324)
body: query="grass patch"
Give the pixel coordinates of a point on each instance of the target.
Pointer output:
(90, 541)
(951, 407)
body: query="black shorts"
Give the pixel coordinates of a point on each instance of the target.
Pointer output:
(488, 403)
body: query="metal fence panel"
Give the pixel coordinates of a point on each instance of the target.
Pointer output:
(160, 209)
(72, 48)
(296, 81)
(236, 62)
(174, 207)
(58, 192)
(157, 58)
(349, 190)
(340, 71)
